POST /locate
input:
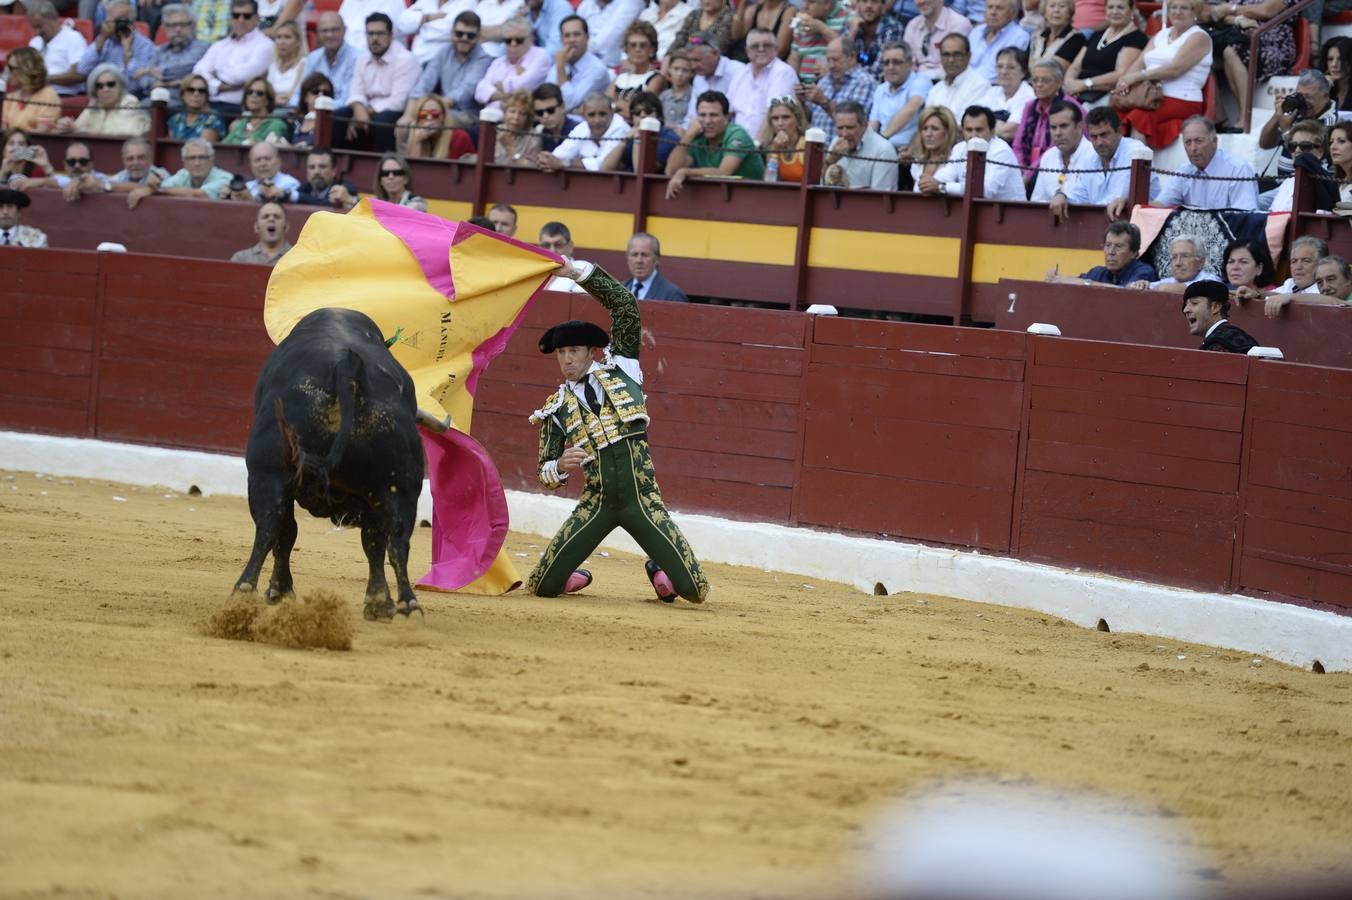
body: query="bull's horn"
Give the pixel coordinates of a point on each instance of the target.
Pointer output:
(431, 422)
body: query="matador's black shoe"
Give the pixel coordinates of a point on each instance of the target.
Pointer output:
(666, 591)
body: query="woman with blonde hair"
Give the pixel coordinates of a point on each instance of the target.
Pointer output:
(782, 138)
(29, 104)
(516, 144)
(257, 124)
(1163, 87)
(432, 136)
(930, 148)
(113, 111)
(394, 183)
(288, 64)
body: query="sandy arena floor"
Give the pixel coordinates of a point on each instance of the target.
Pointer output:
(514, 745)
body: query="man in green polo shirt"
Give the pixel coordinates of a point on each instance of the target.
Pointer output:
(713, 146)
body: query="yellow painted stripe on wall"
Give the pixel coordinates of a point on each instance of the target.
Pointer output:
(592, 229)
(876, 251)
(727, 241)
(455, 210)
(991, 262)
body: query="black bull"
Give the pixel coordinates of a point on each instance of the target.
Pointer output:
(335, 431)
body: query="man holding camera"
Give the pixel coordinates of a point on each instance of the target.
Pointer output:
(1310, 101)
(118, 43)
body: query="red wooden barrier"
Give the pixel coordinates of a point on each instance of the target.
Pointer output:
(912, 430)
(1198, 469)
(1132, 462)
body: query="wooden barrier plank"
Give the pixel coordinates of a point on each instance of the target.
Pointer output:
(1138, 409)
(1303, 379)
(1287, 578)
(149, 379)
(1095, 501)
(64, 389)
(38, 306)
(728, 499)
(41, 361)
(1133, 466)
(711, 412)
(1156, 386)
(1329, 477)
(910, 395)
(1119, 549)
(723, 466)
(915, 510)
(1201, 444)
(1325, 409)
(734, 439)
(871, 333)
(678, 355)
(911, 450)
(1129, 359)
(848, 289)
(1332, 513)
(920, 361)
(27, 413)
(1305, 442)
(17, 332)
(1273, 539)
(194, 427)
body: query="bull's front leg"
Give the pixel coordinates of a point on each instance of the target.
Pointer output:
(399, 540)
(379, 606)
(267, 505)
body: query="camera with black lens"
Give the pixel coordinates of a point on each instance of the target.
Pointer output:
(238, 183)
(123, 26)
(1295, 105)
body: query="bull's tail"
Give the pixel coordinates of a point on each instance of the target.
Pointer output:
(300, 464)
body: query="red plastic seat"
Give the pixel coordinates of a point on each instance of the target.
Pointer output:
(1302, 46)
(15, 32)
(1209, 98)
(1155, 23)
(321, 6)
(85, 27)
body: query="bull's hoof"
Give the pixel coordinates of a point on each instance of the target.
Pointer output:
(378, 610)
(243, 588)
(275, 595)
(407, 609)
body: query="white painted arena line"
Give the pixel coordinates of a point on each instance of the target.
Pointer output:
(1288, 633)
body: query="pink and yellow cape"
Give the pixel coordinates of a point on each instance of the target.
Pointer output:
(454, 294)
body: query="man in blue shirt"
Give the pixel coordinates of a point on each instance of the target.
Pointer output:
(1121, 267)
(174, 60)
(998, 32)
(898, 100)
(576, 70)
(546, 16)
(453, 74)
(335, 57)
(118, 43)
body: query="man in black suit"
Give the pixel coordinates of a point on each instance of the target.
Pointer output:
(645, 281)
(1205, 306)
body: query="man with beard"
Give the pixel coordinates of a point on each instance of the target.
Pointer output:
(322, 187)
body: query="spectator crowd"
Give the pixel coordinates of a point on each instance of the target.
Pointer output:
(1060, 94)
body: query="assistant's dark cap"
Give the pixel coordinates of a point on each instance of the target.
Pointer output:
(17, 198)
(1211, 290)
(576, 333)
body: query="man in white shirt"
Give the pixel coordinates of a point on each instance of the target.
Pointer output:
(1206, 158)
(1069, 152)
(1187, 265)
(998, 32)
(432, 24)
(381, 83)
(713, 71)
(756, 85)
(355, 12)
(269, 182)
(859, 157)
(1002, 182)
(961, 86)
(589, 142)
(1303, 259)
(927, 31)
(1105, 187)
(607, 20)
(233, 61)
(61, 47)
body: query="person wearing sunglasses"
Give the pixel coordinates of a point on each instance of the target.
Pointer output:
(432, 24)
(257, 123)
(523, 67)
(1306, 143)
(394, 183)
(1310, 100)
(552, 121)
(302, 116)
(334, 58)
(453, 75)
(620, 157)
(118, 44)
(112, 110)
(234, 61)
(381, 85)
(431, 138)
(588, 143)
(79, 178)
(767, 76)
(925, 32)
(356, 13)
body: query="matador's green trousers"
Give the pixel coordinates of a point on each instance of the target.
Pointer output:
(621, 490)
